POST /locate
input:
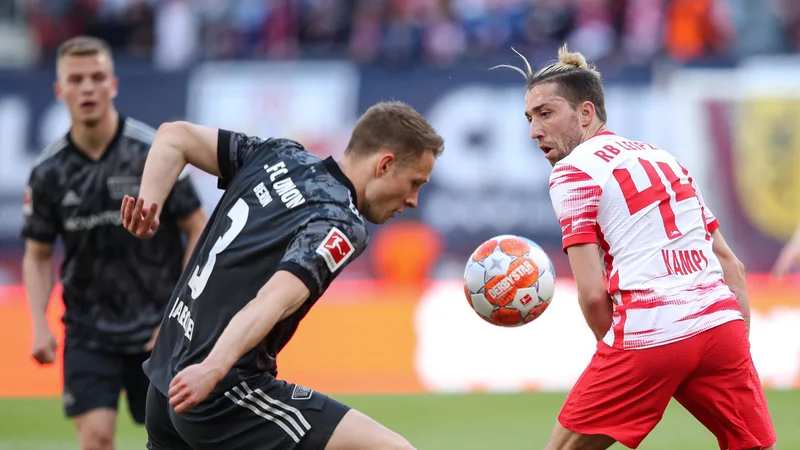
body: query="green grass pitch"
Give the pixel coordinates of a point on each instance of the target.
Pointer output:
(438, 422)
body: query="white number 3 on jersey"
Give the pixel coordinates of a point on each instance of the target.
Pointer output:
(238, 215)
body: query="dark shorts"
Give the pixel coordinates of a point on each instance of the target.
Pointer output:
(93, 379)
(264, 414)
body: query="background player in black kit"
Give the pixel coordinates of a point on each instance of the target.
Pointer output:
(286, 225)
(115, 286)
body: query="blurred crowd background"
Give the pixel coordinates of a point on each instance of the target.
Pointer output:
(619, 33)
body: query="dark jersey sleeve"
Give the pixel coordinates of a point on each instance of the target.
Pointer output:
(234, 150)
(321, 249)
(183, 200)
(40, 216)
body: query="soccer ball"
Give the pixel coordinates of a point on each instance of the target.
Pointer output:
(509, 281)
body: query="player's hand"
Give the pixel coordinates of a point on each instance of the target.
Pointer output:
(142, 222)
(44, 345)
(152, 342)
(788, 258)
(191, 386)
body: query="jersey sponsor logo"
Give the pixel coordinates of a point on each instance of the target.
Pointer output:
(83, 223)
(70, 199)
(27, 202)
(335, 249)
(181, 313)
(301, 393)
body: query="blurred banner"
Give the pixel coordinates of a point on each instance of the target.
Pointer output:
(378, 337)
(734, 129)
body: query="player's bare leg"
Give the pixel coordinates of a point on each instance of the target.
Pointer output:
(564, 439)
(356, 431)
(96, 429)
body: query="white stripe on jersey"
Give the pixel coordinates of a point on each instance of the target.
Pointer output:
(139, 131)
(50, 151)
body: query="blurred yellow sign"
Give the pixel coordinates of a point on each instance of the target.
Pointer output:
(767, 164)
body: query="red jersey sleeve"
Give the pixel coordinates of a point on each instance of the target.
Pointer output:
(576, 200)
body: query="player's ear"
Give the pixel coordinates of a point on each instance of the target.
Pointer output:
(587, 113)
(57, 89)
(114, 86)
(385, 163)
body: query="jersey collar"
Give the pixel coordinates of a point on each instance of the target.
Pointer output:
(603, 133)
(333, 168)
(109, 148)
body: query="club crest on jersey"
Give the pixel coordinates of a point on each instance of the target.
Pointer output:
(335, 249)
(301, 393)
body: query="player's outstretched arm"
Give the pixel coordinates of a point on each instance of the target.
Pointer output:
(733, 273)
(281, 296)
(175, 145)
(789, 257)
(592, 294)
(37, 275)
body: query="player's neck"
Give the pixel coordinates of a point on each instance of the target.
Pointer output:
(93, 140)
(350, 170)
(592, 130)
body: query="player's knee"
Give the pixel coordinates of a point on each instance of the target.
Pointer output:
(398, 442)
(97, 440)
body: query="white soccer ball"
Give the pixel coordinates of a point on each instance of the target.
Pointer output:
(509, 281)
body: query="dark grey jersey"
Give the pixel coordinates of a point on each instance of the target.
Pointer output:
(283, 209)
(116, 286)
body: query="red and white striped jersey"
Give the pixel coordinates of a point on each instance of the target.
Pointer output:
(648, 217)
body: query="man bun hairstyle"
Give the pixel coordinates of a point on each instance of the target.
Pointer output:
(577, 80)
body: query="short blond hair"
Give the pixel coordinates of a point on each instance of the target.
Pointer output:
(577, 80)
(83, 46)
(395, 126)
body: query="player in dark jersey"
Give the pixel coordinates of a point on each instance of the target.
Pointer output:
(285, 227)
(116, 287)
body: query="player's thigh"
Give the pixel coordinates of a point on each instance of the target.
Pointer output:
(264, 414)
(356, 431)
(161, 434)
(92, 380)
(623, 394)
(136, 384)
(564, 439)
(725, 393)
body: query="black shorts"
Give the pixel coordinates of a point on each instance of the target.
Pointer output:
(263, 414)
(93, 379)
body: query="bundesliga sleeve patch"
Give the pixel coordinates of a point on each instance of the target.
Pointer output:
(27, 202)
(335, 249)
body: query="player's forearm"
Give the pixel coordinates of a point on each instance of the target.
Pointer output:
(598, 313)
(165, 161)
(247, 328)
(37, 275)
(275, 301)
(734, 275)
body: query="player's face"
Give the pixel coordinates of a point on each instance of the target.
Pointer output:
(87, 86)
(554, 123)
(395, 186)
